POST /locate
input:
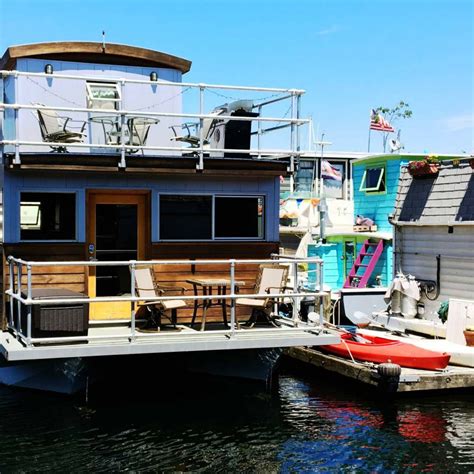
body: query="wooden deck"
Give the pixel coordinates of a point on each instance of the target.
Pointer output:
(411, 380)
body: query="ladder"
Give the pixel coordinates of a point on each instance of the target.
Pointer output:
(364, 264)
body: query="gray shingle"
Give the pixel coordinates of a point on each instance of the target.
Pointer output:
(445, 199)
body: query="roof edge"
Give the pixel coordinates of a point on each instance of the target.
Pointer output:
(83, 51)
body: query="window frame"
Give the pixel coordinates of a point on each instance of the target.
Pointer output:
(375, 189)
(49, 191)
(345, 179)
(91, 99)
(213, 216)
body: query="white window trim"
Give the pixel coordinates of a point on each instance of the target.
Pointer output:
(379, 182)
(345, 179)
(91, 98)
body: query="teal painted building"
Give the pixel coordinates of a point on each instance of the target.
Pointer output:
(375, 183)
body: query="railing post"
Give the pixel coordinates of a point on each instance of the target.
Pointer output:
(18, 294)
(321, 304)
(296, 299)
(200, 165)
(132, 293)
(232, 294)
(293, 130)
(259, 131)
(29, 306)
(122, 163)
(12, 289)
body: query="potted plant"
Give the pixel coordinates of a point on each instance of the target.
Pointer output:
(469, 335)
(426, 167)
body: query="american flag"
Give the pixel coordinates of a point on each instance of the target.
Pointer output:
(377, 122)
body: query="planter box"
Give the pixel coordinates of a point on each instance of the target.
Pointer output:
(426, 170)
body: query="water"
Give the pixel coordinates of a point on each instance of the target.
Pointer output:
(309, 423)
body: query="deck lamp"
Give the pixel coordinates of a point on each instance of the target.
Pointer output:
(153, 76)
(48, 69)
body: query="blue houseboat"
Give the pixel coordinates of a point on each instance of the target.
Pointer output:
(121, 211)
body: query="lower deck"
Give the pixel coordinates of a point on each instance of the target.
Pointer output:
(111, 341)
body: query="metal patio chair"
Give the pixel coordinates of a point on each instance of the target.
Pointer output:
(54, 128)
(146, 287)
(270, 279)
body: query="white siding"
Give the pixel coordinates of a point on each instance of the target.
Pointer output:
(418, 248)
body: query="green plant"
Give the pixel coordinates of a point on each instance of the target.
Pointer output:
(430, 162)
(443, 311)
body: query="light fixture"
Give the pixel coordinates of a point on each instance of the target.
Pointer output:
(153, 76)
(48, 69)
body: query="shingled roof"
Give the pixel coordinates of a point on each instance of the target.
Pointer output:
(443, 200)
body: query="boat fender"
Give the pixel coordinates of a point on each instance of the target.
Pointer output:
(389, 370)
(389, 377)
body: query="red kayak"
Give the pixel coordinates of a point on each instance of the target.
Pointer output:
(380, 350)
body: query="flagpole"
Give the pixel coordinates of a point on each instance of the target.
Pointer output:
(370, 121)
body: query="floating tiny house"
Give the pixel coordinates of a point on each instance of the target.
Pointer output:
(102, 172)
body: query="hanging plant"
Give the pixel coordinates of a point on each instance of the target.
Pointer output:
(427, 167)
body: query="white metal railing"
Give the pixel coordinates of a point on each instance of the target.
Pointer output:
(15, 293)
(293, 122)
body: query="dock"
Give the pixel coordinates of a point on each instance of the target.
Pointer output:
(410, 380)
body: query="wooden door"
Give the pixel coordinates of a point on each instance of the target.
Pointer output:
(116, 231)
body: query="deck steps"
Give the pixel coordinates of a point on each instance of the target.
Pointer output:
(364, 264)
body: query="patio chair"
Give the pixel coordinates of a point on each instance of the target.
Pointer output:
(146, 287)
(270, 279)
(54, 128)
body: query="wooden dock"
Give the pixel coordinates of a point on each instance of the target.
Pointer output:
(410, 380)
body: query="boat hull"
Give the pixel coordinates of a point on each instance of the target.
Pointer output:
(69, 376)
(380, 350)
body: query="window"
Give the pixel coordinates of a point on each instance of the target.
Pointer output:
(47, 216)
(185, 217)
(188, 217)
(373, 180)
(103, 95)
(304, 177)
(239, 217)
(333, 178)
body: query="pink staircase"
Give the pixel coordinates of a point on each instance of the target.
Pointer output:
(364, 264)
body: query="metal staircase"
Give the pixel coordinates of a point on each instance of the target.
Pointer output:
(364, 264)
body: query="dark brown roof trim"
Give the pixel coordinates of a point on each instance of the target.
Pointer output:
(87, 52)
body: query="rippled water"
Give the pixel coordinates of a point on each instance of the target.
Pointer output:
(308, 423)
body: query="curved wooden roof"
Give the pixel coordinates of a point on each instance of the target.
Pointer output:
(87, 52)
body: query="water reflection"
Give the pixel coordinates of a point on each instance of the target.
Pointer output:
(209, 425)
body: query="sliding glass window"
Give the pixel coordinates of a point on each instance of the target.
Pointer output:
(192, 217)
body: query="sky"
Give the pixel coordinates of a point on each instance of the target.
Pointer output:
(348, 55)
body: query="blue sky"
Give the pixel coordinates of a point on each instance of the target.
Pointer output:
(349, 55)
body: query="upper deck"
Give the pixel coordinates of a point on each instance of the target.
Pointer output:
(113, 106)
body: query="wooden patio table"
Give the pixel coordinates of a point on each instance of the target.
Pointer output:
(205, 286)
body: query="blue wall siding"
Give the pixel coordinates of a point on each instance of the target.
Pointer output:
(79, 183)
(332, 254)
(373, 205)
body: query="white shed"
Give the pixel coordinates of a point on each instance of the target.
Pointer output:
(434, 232)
